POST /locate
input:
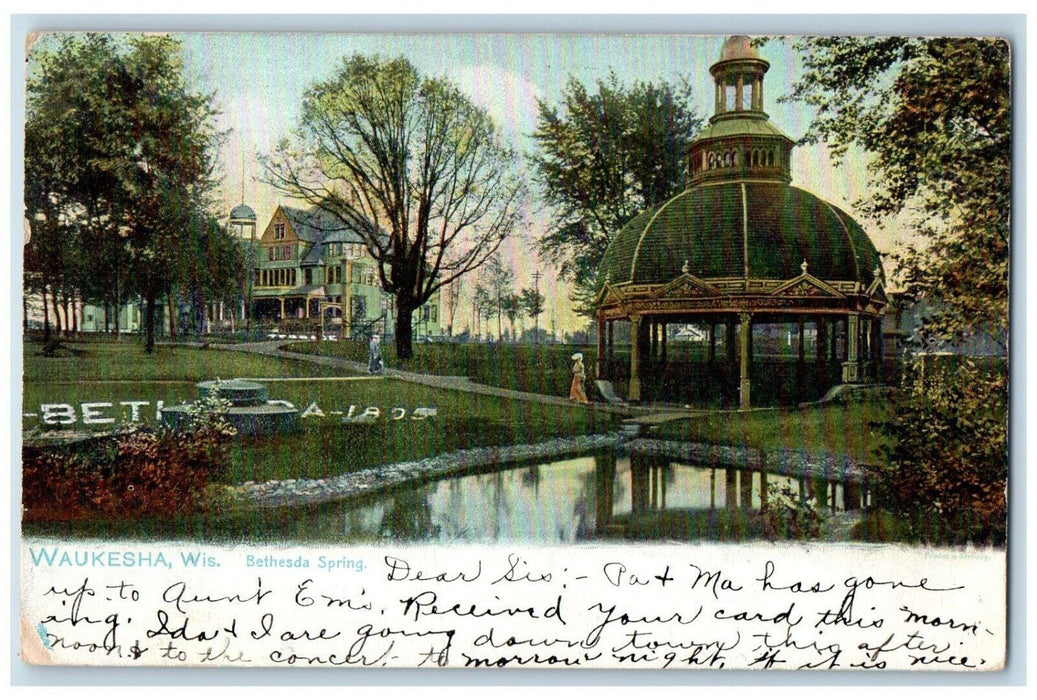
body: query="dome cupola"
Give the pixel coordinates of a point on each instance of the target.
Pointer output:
(740, 142)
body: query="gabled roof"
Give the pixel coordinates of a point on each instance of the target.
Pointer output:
(319, 227)
(316, 225)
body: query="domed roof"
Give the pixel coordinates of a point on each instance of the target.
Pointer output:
(740, 229)
(738, 48)
(242, 212)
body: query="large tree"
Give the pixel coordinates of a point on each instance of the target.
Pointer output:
(934, 117)
(411, 164)
(119, 160)
(602, 157)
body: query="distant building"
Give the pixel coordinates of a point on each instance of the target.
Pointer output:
(309, 265)
(902, 330)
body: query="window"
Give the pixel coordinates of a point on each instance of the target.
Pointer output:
(278, 230)
(308, 276)
(359, 307)
(269, 254)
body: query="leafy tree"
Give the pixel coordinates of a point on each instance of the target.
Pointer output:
(64, 196)
(498, 279)
(413, 166)
(165, 165)
(212, 266)
(119, 158)
(452, 292)
(482, 306)
(934, 115)
(513, 310)
(601, 159)
(531, 301)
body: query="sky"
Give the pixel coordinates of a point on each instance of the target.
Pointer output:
(259, 79)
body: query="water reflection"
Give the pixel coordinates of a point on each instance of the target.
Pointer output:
(586, 498)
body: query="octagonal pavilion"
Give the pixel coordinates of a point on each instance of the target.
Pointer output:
(775, 285)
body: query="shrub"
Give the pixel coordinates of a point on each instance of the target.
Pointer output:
(143, 473)
(787, 516)
(947, 453)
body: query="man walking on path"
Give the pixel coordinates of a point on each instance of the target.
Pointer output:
(374, 361)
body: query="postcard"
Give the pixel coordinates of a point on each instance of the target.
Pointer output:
(476, 350)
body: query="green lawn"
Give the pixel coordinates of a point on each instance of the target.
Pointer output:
(126, 361)
(541, 369)
(833, 428)
(110, 373)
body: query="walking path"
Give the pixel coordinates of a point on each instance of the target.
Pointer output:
(272, 348)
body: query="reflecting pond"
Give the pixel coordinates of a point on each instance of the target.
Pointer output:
(571, 500)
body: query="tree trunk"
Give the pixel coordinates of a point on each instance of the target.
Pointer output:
(149, 322)
(404, 329)
(172, 316)
(118, 305)
(59, 326)
(69, 314)
(46, 315)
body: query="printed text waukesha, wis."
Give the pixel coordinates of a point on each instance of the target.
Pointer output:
(653, 607)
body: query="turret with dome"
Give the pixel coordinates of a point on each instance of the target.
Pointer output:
(743, 251)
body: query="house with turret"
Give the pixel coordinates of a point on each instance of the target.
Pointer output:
(311, 271)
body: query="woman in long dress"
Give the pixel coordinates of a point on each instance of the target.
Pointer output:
(577, 393)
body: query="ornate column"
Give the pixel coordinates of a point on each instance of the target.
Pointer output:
(835, 340)
(611, 343)
(634, 393)
(877, 341)
(851, 367)
(744, 331)
(801, 358)
(745, 486)
(601, 348)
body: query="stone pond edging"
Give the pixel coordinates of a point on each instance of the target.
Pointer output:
(795, 463)
(378, 479)
(293, 492)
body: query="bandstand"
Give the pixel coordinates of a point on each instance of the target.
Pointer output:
(786, 289)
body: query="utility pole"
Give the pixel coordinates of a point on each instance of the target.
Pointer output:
(536, 308)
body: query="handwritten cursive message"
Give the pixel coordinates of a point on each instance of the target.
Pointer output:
(654, 607)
